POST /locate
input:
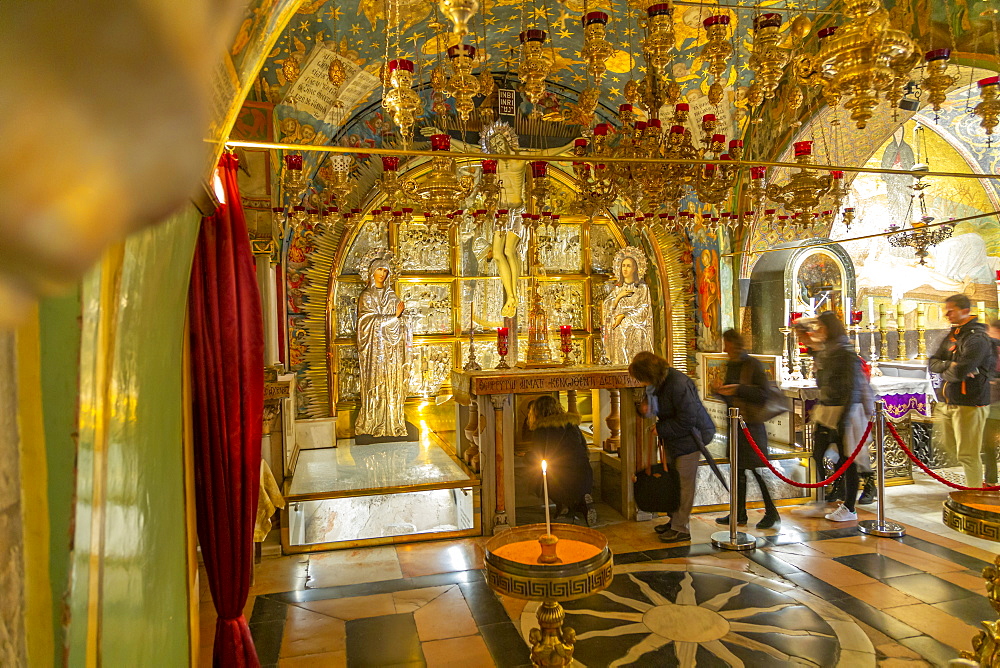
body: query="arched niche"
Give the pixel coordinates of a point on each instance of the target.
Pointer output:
(817, 269)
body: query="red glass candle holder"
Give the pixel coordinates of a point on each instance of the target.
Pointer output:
(856, 317)
(489, 166)
(390, 163)
(293, 162)
(441, 142)
(758, 172)
(793, 316)
(803, 148)
(539, 169)
(503, 334)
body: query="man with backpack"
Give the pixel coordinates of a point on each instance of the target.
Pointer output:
(682, 425)
(965, 359)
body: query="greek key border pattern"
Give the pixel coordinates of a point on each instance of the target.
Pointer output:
(971, 526)
(544, 589)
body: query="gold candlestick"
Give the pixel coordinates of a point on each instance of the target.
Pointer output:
(883, 330)
(921, 332)
(901, 355)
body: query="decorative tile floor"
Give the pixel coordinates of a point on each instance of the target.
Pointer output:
(816, 593)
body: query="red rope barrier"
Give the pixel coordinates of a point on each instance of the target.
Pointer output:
(808, 485)
(926, 469)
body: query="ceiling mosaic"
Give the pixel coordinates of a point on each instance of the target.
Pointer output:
(366, 34)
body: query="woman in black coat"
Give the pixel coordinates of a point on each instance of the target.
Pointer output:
(746, 383)
(564, 449)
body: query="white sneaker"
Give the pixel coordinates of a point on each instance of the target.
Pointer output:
(812, 510)
(842, 514)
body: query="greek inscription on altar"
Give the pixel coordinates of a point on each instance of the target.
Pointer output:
(521, 383)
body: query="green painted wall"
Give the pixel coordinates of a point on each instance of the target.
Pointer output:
(59, 339)
(134, 308)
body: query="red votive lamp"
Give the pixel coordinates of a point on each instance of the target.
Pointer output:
(856, 317)
(622, 108)
(718, 139)
(580, 142)
(293, 162)
(793, 316)
(803, 148)
(502, 334)
(489, 166)
(539, 169)
(709, 170)
(565, 335)
(676, 129)
(601, 129)
(708, 118)
(390, 163)
(758, 172)
(736, 143)
(441, 142)
(998, 275)
(837, 174)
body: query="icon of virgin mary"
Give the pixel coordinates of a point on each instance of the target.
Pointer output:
(383, 338)
(628, 315)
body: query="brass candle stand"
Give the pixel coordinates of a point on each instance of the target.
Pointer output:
(921, 333)
(901, 355)
(873, 356)
(883, 329)
(788, 359)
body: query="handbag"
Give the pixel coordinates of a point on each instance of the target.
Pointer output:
(656, 487)
(775, 403)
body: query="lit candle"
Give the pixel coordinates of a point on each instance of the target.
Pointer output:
(871, 310)
(545, 487)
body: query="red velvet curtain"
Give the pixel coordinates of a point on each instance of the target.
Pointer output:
(227, 357)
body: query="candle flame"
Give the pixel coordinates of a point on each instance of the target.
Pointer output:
(545, 466)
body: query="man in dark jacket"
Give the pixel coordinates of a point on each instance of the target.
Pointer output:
(965, 359)
(681, 420)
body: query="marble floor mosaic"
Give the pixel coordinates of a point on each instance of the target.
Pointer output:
(816, 593)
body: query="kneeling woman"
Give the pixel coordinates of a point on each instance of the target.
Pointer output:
(564, 449)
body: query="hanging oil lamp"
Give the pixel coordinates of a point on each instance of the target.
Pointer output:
(989, 108)
(659, 38)
(462, 86)
(534, 65)
(937, 80)
(804, 189)
(716, 53)
(596, 48)
(400, 100)
(768, 58)
(459, 11)
(445, 191)
(860, 60)
(294, 179)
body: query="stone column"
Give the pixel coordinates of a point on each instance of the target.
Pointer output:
(500, 513)
(613, 442)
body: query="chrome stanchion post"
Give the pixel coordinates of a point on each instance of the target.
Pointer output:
(880, 527)
(733, 539)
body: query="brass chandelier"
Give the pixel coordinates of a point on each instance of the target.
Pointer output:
(860, 61)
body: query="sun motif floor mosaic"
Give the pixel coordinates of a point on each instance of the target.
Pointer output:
(687, 614)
